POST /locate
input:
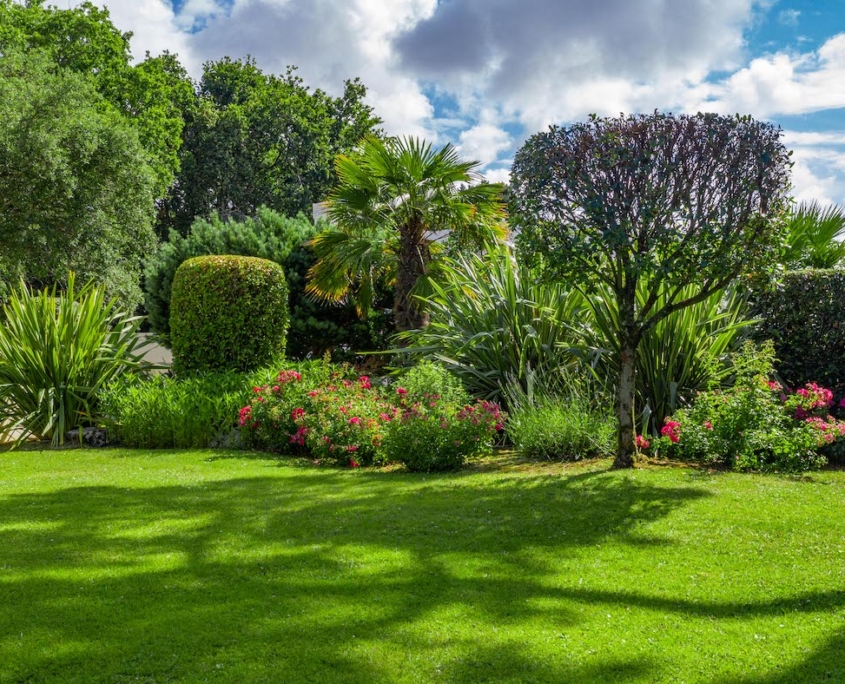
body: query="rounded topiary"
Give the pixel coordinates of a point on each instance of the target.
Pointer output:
(227, 312)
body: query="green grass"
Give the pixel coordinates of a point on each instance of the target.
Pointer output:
(121, 566)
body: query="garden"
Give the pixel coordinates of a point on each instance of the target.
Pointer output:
(585, 426)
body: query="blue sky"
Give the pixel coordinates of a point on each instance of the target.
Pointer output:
(485, 74)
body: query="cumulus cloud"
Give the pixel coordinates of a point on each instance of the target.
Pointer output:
(483, 143)
(819, 170)
(155, 29)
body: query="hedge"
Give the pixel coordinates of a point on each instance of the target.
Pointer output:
(804, 315)
(227, 313)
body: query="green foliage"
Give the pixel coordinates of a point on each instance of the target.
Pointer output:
(493, 322)
(227, 313)
(394, 198)
(679, 356)
(804, 315)
(314, 329)
(437, 436)
(234, 158)
(57, 350)
(427, 380)
(754, 425)
(652, 201)
(815, 237)
(77, 190)
(149, 96)
(165, 413)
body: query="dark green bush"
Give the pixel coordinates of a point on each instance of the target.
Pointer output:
(228, 313)
(804, 316)
(314, 327)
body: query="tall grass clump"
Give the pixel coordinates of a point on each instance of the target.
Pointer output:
(562, 418)
(57, 350)
(492, 321)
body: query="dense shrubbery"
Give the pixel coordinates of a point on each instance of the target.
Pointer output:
(757, 424)
(164, 413)
(314, 328)
(56, 352)
(329, 413)
(228, 313)
(804, 316)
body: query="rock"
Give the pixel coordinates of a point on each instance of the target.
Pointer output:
(91, 437)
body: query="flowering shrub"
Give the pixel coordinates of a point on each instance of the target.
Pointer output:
(757, 424)
(332, 415)
(435, 435)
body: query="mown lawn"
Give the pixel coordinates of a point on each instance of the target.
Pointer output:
(121, 566)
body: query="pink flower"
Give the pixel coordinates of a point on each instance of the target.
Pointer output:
(401, 391)
(672, 430)
(313, 393)
(353, 463)
(276, 388)
(296, 414)
(365, 382)
(244, 415)
(642, 442)
(708, 425)
(385, 416)
(352, 448)
(355, 420)
(498, 426)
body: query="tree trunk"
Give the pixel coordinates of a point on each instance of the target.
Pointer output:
(626, 446)
(414, 257)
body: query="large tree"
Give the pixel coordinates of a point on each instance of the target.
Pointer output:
(396, 202)
(253, 139)
(150, 95)
(76, 189)
(652, 201)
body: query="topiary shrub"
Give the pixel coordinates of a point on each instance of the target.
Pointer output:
(227, 313)
(804, 316)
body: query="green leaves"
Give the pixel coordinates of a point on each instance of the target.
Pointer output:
(56, 352)
(815, 237)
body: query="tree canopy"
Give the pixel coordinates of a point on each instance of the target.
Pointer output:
(76, 191)
(253, 139)
(656, 201)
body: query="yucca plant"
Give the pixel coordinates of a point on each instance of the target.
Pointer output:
(493, 323)
(56, 351)
(681, 355)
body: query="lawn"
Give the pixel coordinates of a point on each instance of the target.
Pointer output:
(126, 566)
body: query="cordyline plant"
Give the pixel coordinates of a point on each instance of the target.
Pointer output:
(654, 201)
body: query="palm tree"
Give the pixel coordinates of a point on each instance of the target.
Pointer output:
(815, 237)
(396, 202)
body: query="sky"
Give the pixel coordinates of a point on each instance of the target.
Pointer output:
(486, 74)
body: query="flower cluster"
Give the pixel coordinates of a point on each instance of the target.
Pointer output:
(642, 442)
(672, 430)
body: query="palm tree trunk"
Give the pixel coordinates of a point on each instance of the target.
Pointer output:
(414, 258)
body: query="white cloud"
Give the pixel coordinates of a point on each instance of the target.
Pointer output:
(154, 27)
(789, 17)
(498, 175)
(483, 143)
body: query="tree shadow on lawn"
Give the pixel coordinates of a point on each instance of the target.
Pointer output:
(318, 576)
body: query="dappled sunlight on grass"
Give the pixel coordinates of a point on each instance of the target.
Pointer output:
(205, 566)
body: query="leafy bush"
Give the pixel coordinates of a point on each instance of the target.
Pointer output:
(492, 321)
(229, 313)
(327, 413)
(438, 436)
(314, 328)
(56, 352)
(427, 380)
(756, 425)
(164, 413)
(804, 316)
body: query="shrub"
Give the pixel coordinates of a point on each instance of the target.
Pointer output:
(804, 316)
(439, 436)
(756, 425)
(327, 413)
(56, 352)
(427, 380)
(314, 328)
(228, 313)
(164, 413)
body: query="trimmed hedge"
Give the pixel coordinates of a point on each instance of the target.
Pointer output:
(804, 316)
(228, 313)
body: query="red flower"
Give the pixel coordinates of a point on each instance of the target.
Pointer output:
(642, 442)
(365, 382)
(296, 414)
(353, 463)
(672, 430)
(355, 420)
(401, 391)
(243, 415)
(708, 425)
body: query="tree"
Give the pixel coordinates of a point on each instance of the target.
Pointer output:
(396, 201)
(254, 140)
(76, 191)
(656, 201)
(815, 237)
